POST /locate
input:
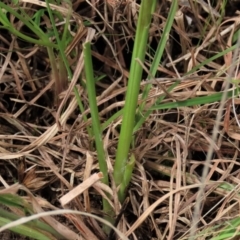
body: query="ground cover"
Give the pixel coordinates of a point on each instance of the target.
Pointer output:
(119, 114)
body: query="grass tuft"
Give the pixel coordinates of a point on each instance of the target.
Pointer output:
(117, 117)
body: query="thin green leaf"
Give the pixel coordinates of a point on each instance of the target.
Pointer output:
(195, 101)
(90, 83)
(25, 230)
(135, 77)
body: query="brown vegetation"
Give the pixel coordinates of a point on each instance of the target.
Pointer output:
(45, 150)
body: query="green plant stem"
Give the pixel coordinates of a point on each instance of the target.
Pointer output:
(129, 110)
(159, 53)
(90, 84)
(171, 104)
(127, 177)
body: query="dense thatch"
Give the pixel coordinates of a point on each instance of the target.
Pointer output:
(44, 142)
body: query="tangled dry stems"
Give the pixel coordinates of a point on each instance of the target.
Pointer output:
(48, 146)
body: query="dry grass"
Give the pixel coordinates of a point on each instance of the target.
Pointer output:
(45, 147)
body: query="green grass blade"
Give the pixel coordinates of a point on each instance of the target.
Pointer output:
(90, 84)
(11, 200)
(62, 45)
(44, 41)
(195, 101)
(160, 50)
(146, 115)
(127, 177)
(211, 59)
(112, 119)
(25, 230)
(136, 70)
(231, 231)
(37, 224)
(59, 42)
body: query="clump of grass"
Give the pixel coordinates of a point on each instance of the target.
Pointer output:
(82, 127)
